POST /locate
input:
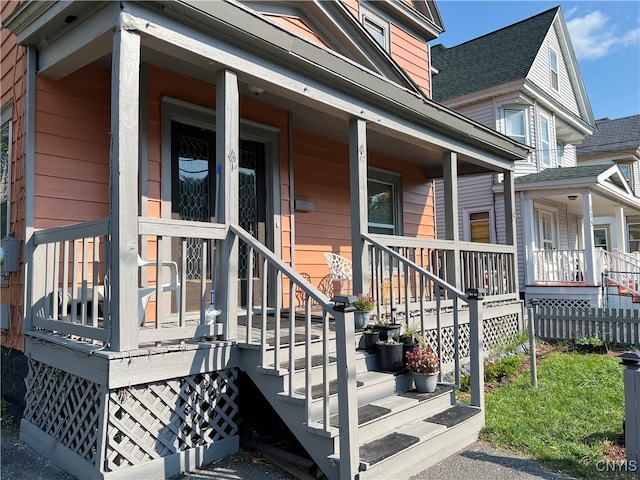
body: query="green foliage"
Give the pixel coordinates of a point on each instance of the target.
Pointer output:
(364, 303)
(511, 343)
(496, 370)
(567, 422)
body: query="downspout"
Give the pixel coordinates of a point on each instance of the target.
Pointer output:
(292, 202)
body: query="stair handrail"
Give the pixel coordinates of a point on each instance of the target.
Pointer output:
(626, 259)
(475, 321)
(345, 352)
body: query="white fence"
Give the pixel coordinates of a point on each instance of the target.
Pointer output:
(612, 326)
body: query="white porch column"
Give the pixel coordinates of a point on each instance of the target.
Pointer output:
(359, 211)
(589, 242)
(227, 161)
(451, 226)
(529, 238)
(125, 98)
(621, 229)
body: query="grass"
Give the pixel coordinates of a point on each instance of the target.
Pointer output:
(569, 421)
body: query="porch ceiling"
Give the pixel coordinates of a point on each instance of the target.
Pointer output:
(321, 89)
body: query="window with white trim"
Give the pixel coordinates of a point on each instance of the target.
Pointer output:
(547, 229)
(5, 169)
(377, 27)
(384, 202)
(633, 230)
(515, 124)
(601, 236)
(545, 141)
(553, 68)
(560, 154)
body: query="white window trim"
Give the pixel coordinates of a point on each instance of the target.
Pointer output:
(6, 116)
(380, 22)
(466, 224)
(395, 179)
(538, 209)
(525, 112)
(553, 52)
(550, 141)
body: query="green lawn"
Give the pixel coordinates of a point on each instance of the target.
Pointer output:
(567, 422)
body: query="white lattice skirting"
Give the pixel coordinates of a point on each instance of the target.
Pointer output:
(134, 430)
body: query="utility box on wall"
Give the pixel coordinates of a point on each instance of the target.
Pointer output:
(9, 258)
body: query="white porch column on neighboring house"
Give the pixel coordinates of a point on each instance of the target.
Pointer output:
(359, 211)
(125, 98)
(451, 226)
(589, 242)
(529, 238)
(621, 229)
(228, 162)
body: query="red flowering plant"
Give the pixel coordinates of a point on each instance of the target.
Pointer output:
(364, 303)
(423, 359)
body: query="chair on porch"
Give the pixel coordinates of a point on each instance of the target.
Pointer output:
(340, 269)
(144, 293)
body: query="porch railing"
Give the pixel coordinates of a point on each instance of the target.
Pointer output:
(283, 315)
(407, 288)
(563, 266)
(68, 293)
(485, 266)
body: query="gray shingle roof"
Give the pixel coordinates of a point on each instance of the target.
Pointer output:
(612, 136)
(493, 59)
(565, 173)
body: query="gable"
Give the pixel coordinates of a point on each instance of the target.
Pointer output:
(333, 26)
(540, 72)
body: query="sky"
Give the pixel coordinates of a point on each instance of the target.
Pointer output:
(605, 36)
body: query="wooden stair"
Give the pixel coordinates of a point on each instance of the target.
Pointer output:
(400, 431)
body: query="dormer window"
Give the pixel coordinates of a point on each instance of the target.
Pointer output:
(377, 28)
(553, 66)
(515, 124)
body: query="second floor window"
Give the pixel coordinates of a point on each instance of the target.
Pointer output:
(377, 27)
(545, 141)
(515, 125)
(553, 67)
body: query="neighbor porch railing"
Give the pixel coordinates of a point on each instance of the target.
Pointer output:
(409, 290)
(562, 266)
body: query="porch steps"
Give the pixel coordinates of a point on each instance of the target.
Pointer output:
(400, 431)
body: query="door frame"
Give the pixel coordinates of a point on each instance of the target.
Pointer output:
(177, 110)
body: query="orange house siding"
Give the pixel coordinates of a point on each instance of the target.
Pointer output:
(322, 176)
(13, 88)
(412, 55)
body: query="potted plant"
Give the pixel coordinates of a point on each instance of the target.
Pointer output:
(371, 338)
(389, 354)
(409, 338)
(363, 305)
(424, 365)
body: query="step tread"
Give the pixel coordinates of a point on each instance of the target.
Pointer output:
(377, 450)
(453, 416)
(366, 413)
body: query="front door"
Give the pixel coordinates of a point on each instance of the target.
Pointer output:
(194, 197)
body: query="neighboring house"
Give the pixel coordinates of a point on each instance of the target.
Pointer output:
(523, 80)
(173, 173)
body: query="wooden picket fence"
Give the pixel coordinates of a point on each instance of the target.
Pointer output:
(612, 326)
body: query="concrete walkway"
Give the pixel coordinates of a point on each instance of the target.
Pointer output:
(478, 461)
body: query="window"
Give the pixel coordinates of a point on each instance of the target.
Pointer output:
(479, 226)
(515, 125)
(5, 170)
(634, 237)
(560, 154)
(545, 142)
(601, 237)
(377, 27)
(553, 67)
(546, 226)
(383, 203)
